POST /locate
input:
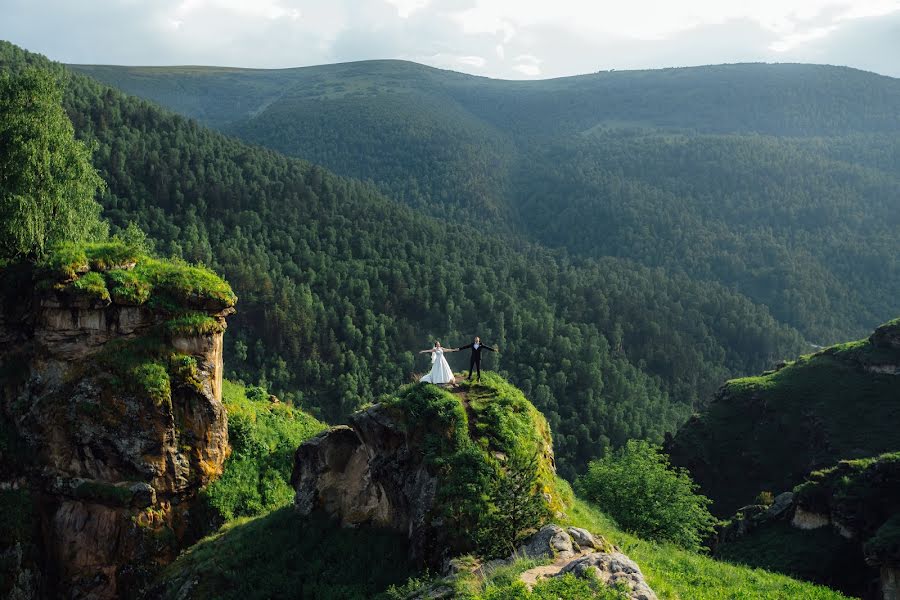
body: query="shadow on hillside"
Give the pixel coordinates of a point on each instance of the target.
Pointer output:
(283, 555)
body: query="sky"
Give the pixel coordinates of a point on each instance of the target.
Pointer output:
(511, 39)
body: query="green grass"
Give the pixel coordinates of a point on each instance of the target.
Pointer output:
(125, 287)
(193, 324)
(676, 574)
(114, 270)
(264, 437)
(91, 286)
(282, 555)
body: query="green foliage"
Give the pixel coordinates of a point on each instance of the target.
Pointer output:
(125, 287)
(638, 487)
(152, 379)
(177, 284)
(281, 555)
(91, 285)
(765, 498)
(47, 182)
(516, 505)
(193, 324)
(607, 348)
(119, 271)
(767, 431)
(884, 546)
(263, 437)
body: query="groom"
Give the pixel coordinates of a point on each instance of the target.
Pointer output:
(475, 361)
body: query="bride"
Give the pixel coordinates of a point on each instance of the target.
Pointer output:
(440, 370)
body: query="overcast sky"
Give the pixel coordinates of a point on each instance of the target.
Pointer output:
(498, 38)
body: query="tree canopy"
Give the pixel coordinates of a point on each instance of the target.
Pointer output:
(47, 181)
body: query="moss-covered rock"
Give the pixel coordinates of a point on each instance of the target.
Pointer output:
(457, 470)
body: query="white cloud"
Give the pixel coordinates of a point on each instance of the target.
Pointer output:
(405, 8)
(568, 36)
(528, 69)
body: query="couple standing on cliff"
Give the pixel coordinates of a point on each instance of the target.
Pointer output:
(442, 373)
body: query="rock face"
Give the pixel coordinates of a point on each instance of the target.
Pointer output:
(370, 473)
(411, 463)
(112, 470)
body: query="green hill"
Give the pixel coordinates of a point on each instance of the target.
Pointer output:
(339, 285)
(780, 181)
(281, 554)
(767, 433)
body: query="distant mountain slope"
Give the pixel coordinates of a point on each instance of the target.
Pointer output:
(339, 285)
(689, 169)
(758, 98)
(767, 433)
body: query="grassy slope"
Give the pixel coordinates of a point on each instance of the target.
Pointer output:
(766, 433)
(280, 555)
(676, 574)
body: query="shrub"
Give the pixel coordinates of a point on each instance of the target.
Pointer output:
(152, 379)
(90, 285)
(191, 324)
(638, 487)
(125, 287)
(765, 498)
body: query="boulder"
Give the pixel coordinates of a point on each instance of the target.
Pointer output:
(551, 541)
(613, 569)
(585, 540)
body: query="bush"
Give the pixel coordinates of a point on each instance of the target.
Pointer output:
(638, 487)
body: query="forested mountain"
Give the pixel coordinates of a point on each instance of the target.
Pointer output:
(338, 285)
(780, 181)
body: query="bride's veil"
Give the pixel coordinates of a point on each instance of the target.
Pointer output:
(433, 354)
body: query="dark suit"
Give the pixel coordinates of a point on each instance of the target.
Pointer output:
(475, 361)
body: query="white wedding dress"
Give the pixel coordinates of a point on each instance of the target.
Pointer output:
(440, 370)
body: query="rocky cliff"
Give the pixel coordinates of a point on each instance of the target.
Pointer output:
(767, 433)
(841, 527)
(111, 417)
(456, 471)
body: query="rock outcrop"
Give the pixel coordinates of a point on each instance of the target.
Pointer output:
(411, 464)
(854, 504)
(372, 472)
(112, 422)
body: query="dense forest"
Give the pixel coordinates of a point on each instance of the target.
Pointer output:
(339, 285)
(778, 181)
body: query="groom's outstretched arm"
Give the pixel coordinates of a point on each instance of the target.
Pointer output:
(464, 347)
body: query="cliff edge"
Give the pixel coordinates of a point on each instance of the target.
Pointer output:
(111, 417)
